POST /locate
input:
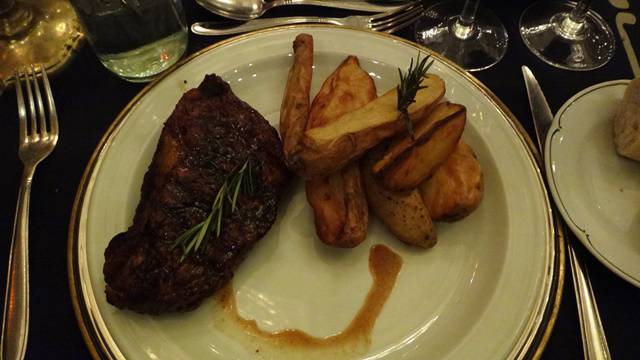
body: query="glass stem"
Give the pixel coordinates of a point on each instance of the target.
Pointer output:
(572, 26)
(580, 11)
(463, 26)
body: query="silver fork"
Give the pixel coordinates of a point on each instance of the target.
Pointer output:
(38, 136)
(384, 22)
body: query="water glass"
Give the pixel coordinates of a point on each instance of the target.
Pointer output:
(135, 39)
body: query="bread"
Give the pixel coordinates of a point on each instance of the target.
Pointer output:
(626, 123)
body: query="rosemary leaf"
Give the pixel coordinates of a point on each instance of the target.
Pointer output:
(193, 239)
(219, 222)
(236, 191)
(410, 83)
(251, 187)
(187, 234)
(202, 234)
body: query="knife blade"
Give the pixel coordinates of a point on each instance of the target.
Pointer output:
(540, 111)
(594, 341)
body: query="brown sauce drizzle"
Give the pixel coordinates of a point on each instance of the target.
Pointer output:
(384, 266)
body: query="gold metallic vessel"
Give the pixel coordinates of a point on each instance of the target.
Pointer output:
(44, 32)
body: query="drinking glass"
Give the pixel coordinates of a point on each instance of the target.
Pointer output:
(567, 35)
(472, 37)
(135, 39)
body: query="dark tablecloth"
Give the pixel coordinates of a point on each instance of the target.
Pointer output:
(88, 98)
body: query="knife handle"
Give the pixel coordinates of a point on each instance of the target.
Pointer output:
(594, 341)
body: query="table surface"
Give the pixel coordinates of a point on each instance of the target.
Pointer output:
(88, 98)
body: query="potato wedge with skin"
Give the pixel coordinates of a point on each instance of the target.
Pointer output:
(456, 188)
(340, 209)
(327, 200)
(404, 213)
(294, 110)
(330, 147)
(347, 89)
(420, 160)
(422, 129)
(339, 205)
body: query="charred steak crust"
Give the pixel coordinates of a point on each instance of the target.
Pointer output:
(209, 134)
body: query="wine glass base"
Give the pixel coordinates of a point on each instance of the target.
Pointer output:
(476, 48)
(553, 37)
(49, 34)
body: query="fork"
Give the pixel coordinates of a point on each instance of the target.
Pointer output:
(36, 141)
(388, 22)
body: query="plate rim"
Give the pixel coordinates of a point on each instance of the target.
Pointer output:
(535, 340)
(580, 231)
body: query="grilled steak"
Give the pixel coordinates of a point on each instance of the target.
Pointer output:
(210, 134)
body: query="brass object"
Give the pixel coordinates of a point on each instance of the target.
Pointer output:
(37, 32)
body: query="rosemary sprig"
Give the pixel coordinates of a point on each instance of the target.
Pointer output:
(226, 200)
(409, 86)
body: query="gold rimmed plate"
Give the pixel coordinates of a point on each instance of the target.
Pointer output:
(487, 290)
(596, 189)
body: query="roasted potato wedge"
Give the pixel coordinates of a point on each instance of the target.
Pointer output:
(339, 205)
(408, 162)
(328, 148)
(456, 188)
(347, 89)
(340, 209)
(294, 110)
(404, 213)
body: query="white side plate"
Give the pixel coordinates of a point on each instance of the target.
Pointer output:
(597, 190)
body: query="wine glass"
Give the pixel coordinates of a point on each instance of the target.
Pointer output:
(472, 37)
(567, 35)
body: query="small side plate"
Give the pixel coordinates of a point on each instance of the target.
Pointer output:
(597, 190)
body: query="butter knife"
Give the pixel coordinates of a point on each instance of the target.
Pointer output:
(594, 341)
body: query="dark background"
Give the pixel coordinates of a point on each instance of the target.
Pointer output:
(88, 98)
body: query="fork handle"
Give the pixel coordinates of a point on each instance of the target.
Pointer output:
(15, 323)
(217, 28)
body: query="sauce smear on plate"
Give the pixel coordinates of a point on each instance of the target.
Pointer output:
(384, 266)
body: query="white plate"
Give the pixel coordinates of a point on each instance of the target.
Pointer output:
(597, 191)
(483, 292)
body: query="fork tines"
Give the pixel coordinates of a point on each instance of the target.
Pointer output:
(396, 20)
(34, 128)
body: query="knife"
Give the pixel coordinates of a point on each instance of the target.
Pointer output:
(594, 341)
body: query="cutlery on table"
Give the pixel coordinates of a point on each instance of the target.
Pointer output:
(250, 9)
(384, 22)
(594, 341)
(38, 136)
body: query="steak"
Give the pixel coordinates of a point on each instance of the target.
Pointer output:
(209, 135)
